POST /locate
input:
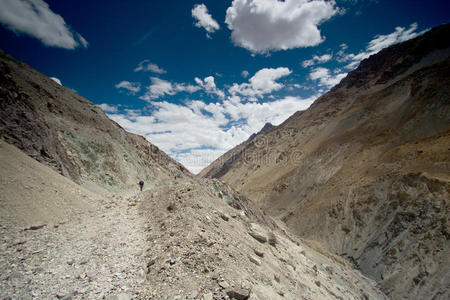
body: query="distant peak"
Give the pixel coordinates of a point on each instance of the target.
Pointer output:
(268, 126)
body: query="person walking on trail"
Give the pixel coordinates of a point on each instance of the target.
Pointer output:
(141, 184)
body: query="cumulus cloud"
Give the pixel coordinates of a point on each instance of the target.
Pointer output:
(196, 133)
(56, 80)
(160, 87)
(132, 87)
(146, 65)
(378, 43)
(36, 19)
(263, 82)
(245, 73)
(108, 108)
(325, 78)
(204, 19)
(209, 86)
(317, 60)
(261, 26)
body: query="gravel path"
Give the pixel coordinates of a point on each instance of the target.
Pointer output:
(92, 256)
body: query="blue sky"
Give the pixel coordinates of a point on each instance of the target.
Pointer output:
(198, 77)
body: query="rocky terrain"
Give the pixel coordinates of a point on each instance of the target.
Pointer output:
(73, 224)
(178, 239)
(365, 170)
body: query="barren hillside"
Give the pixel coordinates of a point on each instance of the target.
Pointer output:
(365, 170)
(67, 132)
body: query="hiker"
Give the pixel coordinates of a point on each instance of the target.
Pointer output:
(141, 184)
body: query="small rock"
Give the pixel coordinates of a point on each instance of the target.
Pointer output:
(254, 260)
(259, 253)
(257, 233)
(224, 284)
(272, 239)
(208, 296)
(70, 262)
(36, 227)
(19, 242)
(60, 295)
(171, 207)
(276, 277)
(224, 217)
(84, 261)
(151, 262)
(193, 295)
(121, 296)
(238, 293)
(90, 275)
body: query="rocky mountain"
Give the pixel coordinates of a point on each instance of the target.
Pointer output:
(67, 132)
(220, 166)
(365, 170)
(73, 224)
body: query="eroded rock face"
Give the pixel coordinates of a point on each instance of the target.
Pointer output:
(365, 170)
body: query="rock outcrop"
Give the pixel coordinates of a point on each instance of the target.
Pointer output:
(365, 170)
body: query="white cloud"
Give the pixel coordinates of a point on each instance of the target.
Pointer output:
(196, 133)
(204, 19)
(108, 108)
(400, 34)
(82, 40)
(131, 87)
(261, 26)
(56, 80)
(263, 82)
(35, 18)
(209, 86)
(245, 73)
(161, 87)
(146, 65)
(317, 60)
(378, 43)
(325, 78)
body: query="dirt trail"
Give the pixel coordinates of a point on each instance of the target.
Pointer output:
(90, 256)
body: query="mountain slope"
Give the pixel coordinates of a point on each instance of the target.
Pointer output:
(365, 170)
(67, 132)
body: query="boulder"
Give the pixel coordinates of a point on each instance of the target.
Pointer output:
(257, 232)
